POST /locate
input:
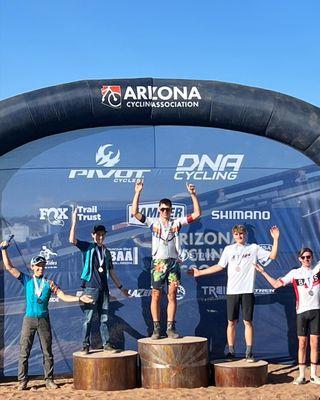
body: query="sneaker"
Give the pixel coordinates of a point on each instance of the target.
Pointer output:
(249, 358)
(230, 356)
(155, 334)
(110, 348)
(171, 331)
(50, 384)
(85, 350)
(315, 379)
(22, 385)
(300, 381)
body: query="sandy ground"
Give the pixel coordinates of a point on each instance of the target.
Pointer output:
(279, 387)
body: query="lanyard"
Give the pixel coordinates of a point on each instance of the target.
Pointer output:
(38, 288)
(100, 256)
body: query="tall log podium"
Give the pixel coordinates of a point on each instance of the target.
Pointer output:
(174, 363)
(101, 370)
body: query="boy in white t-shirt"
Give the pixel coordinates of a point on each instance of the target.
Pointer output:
(239, 258)
(166, 250)
(306, 284)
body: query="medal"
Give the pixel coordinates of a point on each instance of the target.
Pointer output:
(100, 269)
(39, 301)
(311, 293)
(238, 269)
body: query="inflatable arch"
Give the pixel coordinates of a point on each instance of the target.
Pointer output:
(147, 101)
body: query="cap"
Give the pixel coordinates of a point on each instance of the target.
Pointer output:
(38, 260)
(99, 228)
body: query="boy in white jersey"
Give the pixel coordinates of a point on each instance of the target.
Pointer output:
(165, 254)
(239, 257)
(306, 283)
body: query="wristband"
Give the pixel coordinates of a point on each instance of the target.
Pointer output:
(120, 287)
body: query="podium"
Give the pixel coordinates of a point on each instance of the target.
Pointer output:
(239, 373)
(174, 363)
(100, 370)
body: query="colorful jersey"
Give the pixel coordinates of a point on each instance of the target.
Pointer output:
(240, 260)
(37, 307)
(165, 240)
(306, 284)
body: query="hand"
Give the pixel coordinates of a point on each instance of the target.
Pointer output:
(274, 232)
(125, 292)
(259, 268)
(138, 186)
(191, 188)
(74, 215)
(4, 245)
(86, 298)
(194, 272)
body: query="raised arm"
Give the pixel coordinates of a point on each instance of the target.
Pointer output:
(72, 234)
(135, 202)
(276, 283)
(275, 233)
(84, 298)
(196, 206)
(208, 271)
(7, 262)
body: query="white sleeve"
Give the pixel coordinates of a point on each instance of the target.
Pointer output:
(262, 254)
(149, 221)
(224, 259)
(285, 280)
(181, 220)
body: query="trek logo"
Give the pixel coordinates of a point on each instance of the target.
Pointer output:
(111, 96)
(151, 96)
(193, 166)
(55, 216)
(151, 210)
(107, 160)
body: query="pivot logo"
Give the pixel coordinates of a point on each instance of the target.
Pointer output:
(151, 210)
(151, 96)
(55, 216)
(104, 159)
(108, 160)
(111, 96)
(267, 247)
(224, 167)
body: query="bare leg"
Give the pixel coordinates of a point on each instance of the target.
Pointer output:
(155, 304)
(314, 339)
(248, 332)
(172, 301)
(231, 332)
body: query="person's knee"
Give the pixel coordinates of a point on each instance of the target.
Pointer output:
(232, 323)
(247, 324)
(314, 339)
(303, 341)
(156, 294)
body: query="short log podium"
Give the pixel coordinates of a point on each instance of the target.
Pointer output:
(174, 363)
(100, 370)
(239, 373)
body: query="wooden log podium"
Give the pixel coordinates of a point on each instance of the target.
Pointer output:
(174, 363)
(239, 373)
(100, 370)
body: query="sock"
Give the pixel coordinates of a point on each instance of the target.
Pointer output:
(313, 370)
(231, 349)
(302, 370)
(156, 325)
(249, 350)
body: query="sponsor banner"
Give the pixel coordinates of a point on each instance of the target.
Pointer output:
(124, 255)
(143, 292)
(243, 215)
(150, 210)
(204, 168)
(108, 158)
(58, 216)
(116, 97)
(50, 256)
(221, 291)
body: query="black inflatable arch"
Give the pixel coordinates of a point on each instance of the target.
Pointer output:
(148, 101)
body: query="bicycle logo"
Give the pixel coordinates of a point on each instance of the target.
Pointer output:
(111, 96)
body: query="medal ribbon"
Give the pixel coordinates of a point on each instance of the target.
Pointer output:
(100, 257)
(38, 288)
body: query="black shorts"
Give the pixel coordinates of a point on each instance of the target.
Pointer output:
(308, 322)
(246, 300)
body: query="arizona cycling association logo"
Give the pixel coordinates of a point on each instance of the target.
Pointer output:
(105, 159)
(111, 96)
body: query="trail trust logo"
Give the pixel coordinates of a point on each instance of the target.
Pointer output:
(151, 96)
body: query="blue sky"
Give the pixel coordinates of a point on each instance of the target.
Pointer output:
(271, 44)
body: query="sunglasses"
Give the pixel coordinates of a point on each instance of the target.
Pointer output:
(305, 257)
(163, 209)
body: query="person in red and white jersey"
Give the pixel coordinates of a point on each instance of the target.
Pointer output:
(166, 252)
(239, 258)
(306, 284)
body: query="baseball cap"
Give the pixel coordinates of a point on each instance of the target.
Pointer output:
(99, 228)
(38, 260)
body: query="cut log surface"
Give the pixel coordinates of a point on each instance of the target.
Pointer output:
(239, 373)
(174, 363)
(100, 370)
